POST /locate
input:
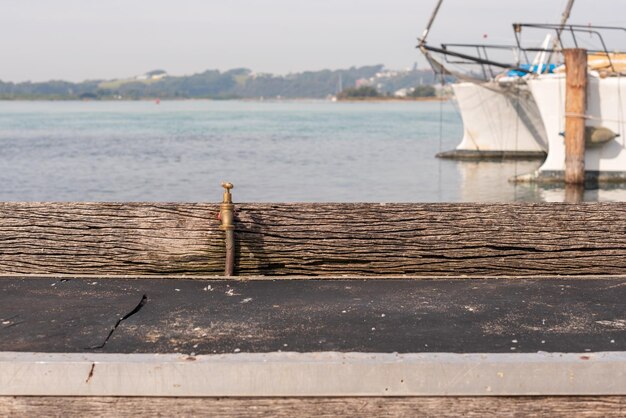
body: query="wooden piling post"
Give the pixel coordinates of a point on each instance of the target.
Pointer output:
(575, 109)
(574, 193)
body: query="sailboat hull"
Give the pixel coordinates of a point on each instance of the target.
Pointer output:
(498, 120)
(605, 108)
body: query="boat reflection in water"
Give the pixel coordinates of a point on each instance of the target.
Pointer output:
(606, 193)
(488, 181)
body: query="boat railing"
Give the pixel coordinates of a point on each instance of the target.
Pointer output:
(482, 56)
(477, 55)
(569, 36)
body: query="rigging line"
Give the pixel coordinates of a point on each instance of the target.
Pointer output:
(560, 107)
(492, 119)
(440, 67)
(467, 132)
(439, 179)
(441, 81)
(517, 112)
(620, 107)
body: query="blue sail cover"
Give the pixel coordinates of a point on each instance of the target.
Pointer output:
(545, 69)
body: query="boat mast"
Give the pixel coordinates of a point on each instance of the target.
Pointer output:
(435, 65)
(566, 13)
(439, 66)
(564, 19)
(422, 39)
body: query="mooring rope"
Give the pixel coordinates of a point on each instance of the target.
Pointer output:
(619, 121)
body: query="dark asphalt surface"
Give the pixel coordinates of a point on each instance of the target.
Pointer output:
(377, 315)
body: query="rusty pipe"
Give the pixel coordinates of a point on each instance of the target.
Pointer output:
(227, 218)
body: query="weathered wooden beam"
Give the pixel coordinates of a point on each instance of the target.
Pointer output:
(553, 406)
(314, 239)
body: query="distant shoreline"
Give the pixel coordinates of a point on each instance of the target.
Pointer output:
(242, 99)
(394, 99)
(234, 84)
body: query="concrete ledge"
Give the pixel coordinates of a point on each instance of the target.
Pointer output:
(312, 374)
(460, 154)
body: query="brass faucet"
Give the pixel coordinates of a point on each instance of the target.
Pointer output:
(227, 218)
(226, 208)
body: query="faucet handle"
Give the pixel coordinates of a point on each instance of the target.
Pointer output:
(228, 198)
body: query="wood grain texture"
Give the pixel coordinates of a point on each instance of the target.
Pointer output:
(314, 239)
(316, 407)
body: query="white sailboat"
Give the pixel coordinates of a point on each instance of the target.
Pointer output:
(605, 154)
(499, 120)
(500, 116)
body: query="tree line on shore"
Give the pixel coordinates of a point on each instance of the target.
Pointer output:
(369, 92)
(232, 84)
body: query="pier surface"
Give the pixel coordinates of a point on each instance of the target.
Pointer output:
(264, 337)
(354, 309)
(104, 315)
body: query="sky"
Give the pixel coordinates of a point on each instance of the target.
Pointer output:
(96, 39)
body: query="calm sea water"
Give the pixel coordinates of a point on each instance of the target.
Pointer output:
(271, 151)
